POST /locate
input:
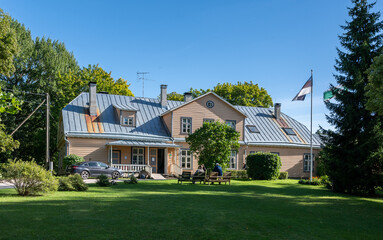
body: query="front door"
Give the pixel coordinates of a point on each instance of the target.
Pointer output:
(153, 160)
(161, 161)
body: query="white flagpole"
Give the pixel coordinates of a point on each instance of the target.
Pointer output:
(311, 129)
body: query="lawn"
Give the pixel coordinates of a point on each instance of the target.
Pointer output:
(164, 210)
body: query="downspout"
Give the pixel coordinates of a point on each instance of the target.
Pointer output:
(67, 145)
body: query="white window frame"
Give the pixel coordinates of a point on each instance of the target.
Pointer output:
(233, 160)
(187, 124)
(187, 157)
(128, 121)
(306, 162)
(137, 154)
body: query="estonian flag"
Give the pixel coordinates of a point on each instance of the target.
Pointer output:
(306, 89)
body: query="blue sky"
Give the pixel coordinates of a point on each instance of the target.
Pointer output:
(199, 44)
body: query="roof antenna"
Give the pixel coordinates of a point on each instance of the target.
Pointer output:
(141, 76)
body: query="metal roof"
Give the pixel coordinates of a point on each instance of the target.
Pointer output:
(125, 107)
(142, 144)
(149, 124)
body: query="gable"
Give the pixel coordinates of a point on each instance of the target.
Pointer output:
(208, 106)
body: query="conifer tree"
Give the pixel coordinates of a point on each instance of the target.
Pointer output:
(354, 149)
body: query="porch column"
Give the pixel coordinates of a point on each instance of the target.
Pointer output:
(166, 161)
(111, 155)
(148, 156)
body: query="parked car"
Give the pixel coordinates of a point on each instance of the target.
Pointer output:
(93, 169)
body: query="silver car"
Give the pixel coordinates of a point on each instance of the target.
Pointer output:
(93, 169)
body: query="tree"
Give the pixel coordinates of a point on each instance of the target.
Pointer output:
(374, 88)
(243, 94)
(37, 65)
(354, 149)
(175, 96)
(8, 103)
(212, 143)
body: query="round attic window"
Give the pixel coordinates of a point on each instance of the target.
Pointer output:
(210, 104)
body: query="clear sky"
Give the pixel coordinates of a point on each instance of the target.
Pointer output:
(201, 43)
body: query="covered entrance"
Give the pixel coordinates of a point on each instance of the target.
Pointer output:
(134, 155)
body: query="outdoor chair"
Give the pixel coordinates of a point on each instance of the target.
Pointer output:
(185, 176)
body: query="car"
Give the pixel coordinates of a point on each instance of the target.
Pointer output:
(93, 169)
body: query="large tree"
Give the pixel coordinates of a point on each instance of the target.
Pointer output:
(212, 143)
(354, 150)
(243, 94)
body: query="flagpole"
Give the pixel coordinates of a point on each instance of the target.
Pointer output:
(311, 128)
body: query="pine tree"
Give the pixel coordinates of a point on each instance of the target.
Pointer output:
(355, 149)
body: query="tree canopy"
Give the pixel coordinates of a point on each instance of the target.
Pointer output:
(243, 94)
(212, 143)
(354, 149)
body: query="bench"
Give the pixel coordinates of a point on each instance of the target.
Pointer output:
(225, 178)
(184, 177)
(200, 177)
(211, 178)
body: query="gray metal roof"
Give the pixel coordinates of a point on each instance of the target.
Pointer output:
(125, 107)
(141, 144)
(149, 124)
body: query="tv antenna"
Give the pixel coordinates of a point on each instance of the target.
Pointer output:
(141, 76)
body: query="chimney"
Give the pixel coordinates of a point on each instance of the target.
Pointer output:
(188, 96)
(164, 95)
(277, 110)
(92, 99)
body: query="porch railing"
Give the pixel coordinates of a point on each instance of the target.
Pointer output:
(175, 170)
(132, 168)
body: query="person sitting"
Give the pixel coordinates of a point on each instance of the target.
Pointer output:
(200, 171)
(218, 169)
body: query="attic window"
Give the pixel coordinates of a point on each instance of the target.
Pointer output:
(252, 128)
(289, 131)
(128, 121)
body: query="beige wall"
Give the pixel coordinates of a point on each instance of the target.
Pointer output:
(197, 110)
(89, 149)
(168, 121)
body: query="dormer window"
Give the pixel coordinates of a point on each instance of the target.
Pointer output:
(289, 131)
(128, 121)
(252, 128)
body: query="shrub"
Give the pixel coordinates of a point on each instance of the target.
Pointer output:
(103, 181)
(71, 159)
(29, 178)
(263, 166)
(72, 183)
(239, 174)
(283, 175)
(315, 181)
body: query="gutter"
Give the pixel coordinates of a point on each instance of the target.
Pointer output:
(117, 136)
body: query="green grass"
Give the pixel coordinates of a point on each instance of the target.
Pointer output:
(164, 210)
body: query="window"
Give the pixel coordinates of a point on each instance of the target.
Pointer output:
(289, 131)
(209, 120)
(103, 165)
(231, 123)
(186, 158)
(93, 164)
(233, 160)
(186, 125)
(275, 153)
(306, 162)
(128, 121)
(116, 157)
(138, 156)
(252, 128)
(251, 152)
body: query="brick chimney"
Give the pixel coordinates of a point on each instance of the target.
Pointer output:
(188, 96)
(164, 95)
(277, 110)
(92, 99)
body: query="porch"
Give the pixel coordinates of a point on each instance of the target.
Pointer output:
(132, 156)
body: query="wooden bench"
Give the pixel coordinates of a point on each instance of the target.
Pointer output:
(199, 178)
(225, 178)
(211, 178)
(184, 177)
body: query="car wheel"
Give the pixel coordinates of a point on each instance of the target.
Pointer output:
(84, 174)
(115, 175)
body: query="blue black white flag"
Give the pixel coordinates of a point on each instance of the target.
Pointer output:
(306, 89)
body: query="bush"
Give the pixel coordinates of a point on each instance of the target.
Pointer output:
(315, 181)
(103, 181)
(239, 174)
(72, 183)
(263, 166)
(71, 159)
(283, 175)
(29, 178)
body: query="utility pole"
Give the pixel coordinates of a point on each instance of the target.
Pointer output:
(47, 135)
(142, 77)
